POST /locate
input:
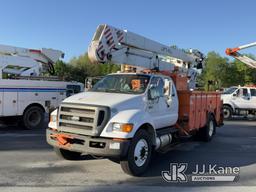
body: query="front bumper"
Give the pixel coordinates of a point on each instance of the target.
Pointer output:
(87, 144)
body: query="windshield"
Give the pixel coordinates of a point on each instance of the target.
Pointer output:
(123, 83)
(230, 90)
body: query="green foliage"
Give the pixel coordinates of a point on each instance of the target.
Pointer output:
(79, 68)
(224, 73)
(62, 70)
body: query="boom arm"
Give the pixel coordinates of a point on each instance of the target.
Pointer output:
(117, 46)
(233, 52)
(27, 62)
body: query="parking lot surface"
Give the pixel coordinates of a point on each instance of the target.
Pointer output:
(28, 162)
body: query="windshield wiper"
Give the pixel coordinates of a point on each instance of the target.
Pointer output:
(112, 91)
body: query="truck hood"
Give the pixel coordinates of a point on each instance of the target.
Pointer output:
(107, 99)
(225, 97)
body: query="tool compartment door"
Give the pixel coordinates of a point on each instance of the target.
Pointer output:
(203, 110)
(1, 102)
(10, 105)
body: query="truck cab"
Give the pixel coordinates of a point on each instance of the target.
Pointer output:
(239, 101)
(104, 119)
(119, 100)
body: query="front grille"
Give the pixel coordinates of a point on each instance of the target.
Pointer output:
(100, 117)
(82, 127)
(75, 110)
(83, 119)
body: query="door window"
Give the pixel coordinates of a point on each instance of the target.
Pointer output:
(253, 92)
(245, 92)
(158, 83)
(72, 89)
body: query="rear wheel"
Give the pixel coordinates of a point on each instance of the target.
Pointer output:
(66, 154)
(227, 112)
(207, 132)
(139, 154)
(33, 117)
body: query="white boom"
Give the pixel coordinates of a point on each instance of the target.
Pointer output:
(233, 52)
(117, 46)
(27, 62)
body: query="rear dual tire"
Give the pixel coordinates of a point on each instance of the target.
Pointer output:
(207, 132)
(33, 118)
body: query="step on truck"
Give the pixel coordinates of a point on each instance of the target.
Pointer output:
(150, 105)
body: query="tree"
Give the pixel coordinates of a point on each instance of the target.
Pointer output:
(225, 73)
(79, 68)
(62, 70)
(215, 71)
(246, 74)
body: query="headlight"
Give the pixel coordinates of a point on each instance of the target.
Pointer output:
(123, 127)
(53, 118)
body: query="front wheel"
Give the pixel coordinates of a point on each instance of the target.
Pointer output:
(139, 154)
(227, 111)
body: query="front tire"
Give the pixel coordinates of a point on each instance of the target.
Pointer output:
(227, 112)
(139, 154)
(66, 154)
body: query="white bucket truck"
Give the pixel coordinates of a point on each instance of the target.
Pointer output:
(25, 95)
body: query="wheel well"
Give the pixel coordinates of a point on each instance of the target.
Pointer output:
(228, 106)
(213, 116)
(34, 105)
(149, 128)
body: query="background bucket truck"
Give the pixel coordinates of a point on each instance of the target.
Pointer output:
(24, 92)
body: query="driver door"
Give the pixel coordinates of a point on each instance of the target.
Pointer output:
(159, 108)
(253, 98)
(242, 99)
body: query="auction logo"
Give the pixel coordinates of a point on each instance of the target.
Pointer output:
(176, 173)
(203, 173)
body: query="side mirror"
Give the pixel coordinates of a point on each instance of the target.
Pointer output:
(199, 66)
(69, 92)
(234, 95)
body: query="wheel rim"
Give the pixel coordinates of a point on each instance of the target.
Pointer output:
(226, 113)
(211, 128)
(34, 118)
(141, 152)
